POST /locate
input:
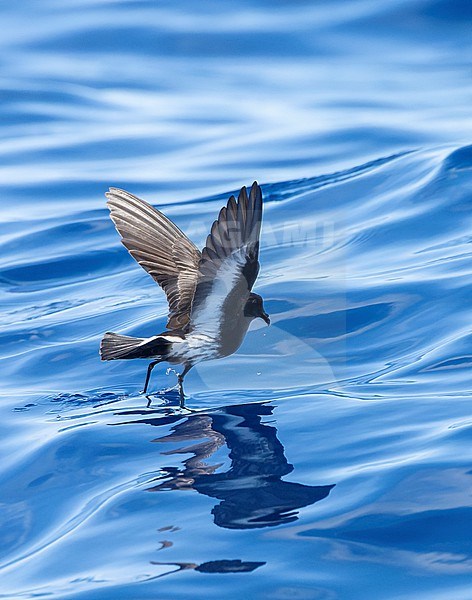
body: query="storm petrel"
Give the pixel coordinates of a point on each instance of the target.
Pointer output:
(209, 293)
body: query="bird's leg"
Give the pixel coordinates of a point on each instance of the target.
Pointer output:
(148, 374)
(180, 379)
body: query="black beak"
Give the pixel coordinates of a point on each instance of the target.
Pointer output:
(266, 318)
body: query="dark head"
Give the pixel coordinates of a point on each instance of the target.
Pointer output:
(255, 308)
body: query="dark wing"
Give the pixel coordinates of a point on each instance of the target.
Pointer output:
(229, 264)
(160, 248)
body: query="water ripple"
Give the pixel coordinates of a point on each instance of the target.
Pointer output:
(338, 440)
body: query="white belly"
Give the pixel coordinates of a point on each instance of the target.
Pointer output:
(197, 347)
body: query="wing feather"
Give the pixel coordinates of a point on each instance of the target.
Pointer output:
(229, 264)
(161, 248)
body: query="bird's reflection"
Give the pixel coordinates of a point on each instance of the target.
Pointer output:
(251, 490)
(214, 566)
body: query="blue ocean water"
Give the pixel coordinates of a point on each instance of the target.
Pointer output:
(330, 458)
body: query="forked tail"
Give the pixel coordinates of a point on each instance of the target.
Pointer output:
(115, 346)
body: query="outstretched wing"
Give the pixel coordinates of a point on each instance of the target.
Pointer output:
(161, 248)
(229, 264)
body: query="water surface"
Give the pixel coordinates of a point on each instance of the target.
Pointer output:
(330, 457)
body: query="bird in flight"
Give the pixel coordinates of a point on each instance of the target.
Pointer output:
(209, 293)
